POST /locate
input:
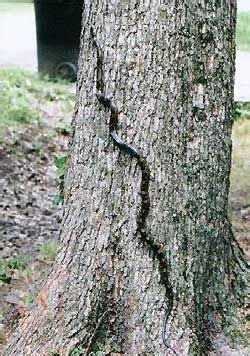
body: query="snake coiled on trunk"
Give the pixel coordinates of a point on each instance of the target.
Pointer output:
(143, 212)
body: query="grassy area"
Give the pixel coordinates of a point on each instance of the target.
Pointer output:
(243, 31)
(23, 96)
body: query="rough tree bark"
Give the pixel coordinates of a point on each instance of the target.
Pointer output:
(169, 68)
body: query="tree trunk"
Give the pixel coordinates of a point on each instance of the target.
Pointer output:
(133, 278)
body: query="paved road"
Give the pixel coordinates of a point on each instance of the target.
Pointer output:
(18, 46)
(18, 36)
(243, 5)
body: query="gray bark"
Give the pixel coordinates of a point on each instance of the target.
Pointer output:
(169, 67)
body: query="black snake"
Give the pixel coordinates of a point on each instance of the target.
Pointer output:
(145, 179)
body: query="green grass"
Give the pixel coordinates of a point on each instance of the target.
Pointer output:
(15, 99)
(24, 94)
(7, 267)
(243, 31)
(48, 251)
(242, 110)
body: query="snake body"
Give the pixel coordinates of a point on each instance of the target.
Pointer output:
(143, 212)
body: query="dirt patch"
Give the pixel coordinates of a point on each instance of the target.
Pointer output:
(29, 218)
(28, 185)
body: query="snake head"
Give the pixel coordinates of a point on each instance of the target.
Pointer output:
(104, 101)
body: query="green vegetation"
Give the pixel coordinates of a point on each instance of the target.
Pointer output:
(77, 351)
(60, 163)
(242, 110)
(48, 251)
(9, 266)
(28, 299)
(243, 31)
(15, 99)
(23, 95)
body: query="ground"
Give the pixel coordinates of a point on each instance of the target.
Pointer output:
(34, 132)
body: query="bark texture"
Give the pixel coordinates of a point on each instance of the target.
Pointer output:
(169, 67)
